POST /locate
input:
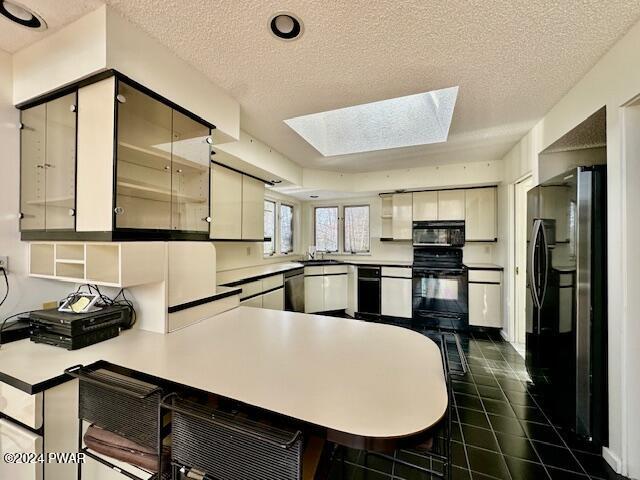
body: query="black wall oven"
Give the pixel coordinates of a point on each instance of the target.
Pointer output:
(440, 288)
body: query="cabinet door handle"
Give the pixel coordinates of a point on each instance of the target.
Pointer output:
(72, 212)
(121, 98)
(207, 219)
(118, 210)
(73, 108)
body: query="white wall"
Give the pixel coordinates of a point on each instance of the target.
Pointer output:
(103, 40)
(612, 82)
(25, 293)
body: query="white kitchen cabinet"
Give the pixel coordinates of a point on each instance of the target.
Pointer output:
(352, 290)
(485, 298)
(396, 297)
(451, 205)
(226, 203)
(274, 300)
(335, 292)
(481, 214)
(425, 206)
(252, 209)
(21, 406)
(252, 302)
(402, 221)
(15, 439)
(314, 294)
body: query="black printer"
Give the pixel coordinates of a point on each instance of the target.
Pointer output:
(77, 330)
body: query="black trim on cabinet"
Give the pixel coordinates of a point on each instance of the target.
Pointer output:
(267, 182)
(484, 283)
(481, 241)
(326, 274)
(253, 240)
(262, 293)
(202, 301)
(392, 276)
(497, 268)
(258, 277)
(436, 190)
(120, 235)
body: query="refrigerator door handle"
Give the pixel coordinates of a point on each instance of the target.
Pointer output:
(545, 269)
(532, 263)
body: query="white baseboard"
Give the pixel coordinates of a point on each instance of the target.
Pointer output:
(612, 459)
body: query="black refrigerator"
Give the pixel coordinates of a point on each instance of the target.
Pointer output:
(566, 331)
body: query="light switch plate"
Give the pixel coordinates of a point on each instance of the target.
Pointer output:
(4, 263)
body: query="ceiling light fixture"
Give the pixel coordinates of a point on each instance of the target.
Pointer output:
(22, 15)
(285, 26)
(418, 119)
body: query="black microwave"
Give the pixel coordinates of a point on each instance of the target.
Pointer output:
(438, 234)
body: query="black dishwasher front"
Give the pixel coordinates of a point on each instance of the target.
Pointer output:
(369, 290)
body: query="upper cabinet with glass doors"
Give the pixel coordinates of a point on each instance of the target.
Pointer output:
(48, 165)
(141, 172)
(163, 163)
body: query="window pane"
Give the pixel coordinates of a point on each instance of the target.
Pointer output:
(356, 229)
(327, 229)
(286, 229)
(269, 226)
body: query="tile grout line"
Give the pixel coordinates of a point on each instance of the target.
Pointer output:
(548, 420)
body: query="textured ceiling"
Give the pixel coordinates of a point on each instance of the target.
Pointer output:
(56, 13)
(589, 134)
(512, 60)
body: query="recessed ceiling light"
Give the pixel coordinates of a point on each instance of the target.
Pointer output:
(22, 15)
(418, 119)
(285, 26)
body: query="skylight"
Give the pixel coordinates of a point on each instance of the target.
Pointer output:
(418, 119)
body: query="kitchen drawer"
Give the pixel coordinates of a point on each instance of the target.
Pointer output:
(313, 270)
(396, 272)
(253, 302)
(15, 439)
(333, 269)
(272, 282)
(485, 276)
(21, 406)
(251, 288)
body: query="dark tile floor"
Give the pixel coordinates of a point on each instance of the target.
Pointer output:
(501, 428)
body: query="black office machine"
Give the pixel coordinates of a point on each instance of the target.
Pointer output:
(77, 330)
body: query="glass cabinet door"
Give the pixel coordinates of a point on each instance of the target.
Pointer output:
(143, 192)
(191, 154)
(32, 168)
(60, 163)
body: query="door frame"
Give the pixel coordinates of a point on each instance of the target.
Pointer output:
(513, 226)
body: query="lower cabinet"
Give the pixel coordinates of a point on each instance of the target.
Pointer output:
(335, 292)
(485, 298)
(325, 288)
(252, 302)
(274, 300)
(314, 294)
(396, 297)
(15, 439)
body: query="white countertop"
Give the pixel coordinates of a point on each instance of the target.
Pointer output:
(360, 378)
(230, 276)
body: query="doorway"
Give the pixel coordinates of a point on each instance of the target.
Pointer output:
(520, 270)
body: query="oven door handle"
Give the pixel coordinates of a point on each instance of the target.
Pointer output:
(439, 271)
(432, 245)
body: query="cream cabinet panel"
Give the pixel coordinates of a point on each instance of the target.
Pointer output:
(335, 292)
(252, 302)
(252, 209)
(485, 305)
(274, 300)
(451, 205)
(396, 297)
(352, 290)
(313, 294)
(480, 214)
(226, 203)
(250, 289)
(402, 221)
(425, 206)
(21, 406)
(192, 271)
(15, 439)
